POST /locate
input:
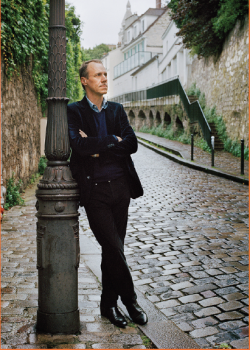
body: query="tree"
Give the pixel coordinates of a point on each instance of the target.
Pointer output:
(205, 24)
(74, 54)
(96, 53)
(25, 34)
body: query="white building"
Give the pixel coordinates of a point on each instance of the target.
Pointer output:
(148, 52)
(176, 60)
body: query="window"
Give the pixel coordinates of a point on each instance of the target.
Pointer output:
(164, 74)
(142, 25)
(128, 36)
(142, 46)
(135, 31)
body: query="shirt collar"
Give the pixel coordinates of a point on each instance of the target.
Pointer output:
(94, 107)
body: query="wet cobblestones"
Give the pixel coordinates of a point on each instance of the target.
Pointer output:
(187, 246)
(187, 249)
(20, 294)
(223, 160)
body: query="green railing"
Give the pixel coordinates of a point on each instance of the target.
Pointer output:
(170, 88)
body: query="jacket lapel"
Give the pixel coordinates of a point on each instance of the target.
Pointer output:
(110, 120)
(87, 117)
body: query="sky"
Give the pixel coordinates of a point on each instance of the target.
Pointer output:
(102, 18)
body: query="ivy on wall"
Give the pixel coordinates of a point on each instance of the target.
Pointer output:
(25, 33)
(232, 146)
(73, 54)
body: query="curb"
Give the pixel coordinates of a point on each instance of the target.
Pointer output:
(163, 333)
(177, 159)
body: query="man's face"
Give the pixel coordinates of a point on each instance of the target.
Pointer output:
(97, 79)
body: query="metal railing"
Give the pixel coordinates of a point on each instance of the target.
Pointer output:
(133, 61)
(169, 88)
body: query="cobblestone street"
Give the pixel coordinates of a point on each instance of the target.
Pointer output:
(20, 294)
(188, 251)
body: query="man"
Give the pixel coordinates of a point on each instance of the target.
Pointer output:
(102, 141)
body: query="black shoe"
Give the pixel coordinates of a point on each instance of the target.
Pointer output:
(137, 314)
(114, 316)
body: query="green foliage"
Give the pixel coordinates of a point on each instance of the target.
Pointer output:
(231, 146)
(204, 24)
(25, 34)
(193, 90)
(34, 177)
(223, 346)
(13, 196)
(146, 341)
(74, 54)
(228, 13)
(96, 53)
(42, 165)
(178, 135)
(201, 143)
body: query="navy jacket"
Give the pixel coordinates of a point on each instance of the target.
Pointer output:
(82, 164)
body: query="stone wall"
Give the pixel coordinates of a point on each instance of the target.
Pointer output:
(20, 126)
(225, 83)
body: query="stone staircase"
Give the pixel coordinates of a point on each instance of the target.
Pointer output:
(192, 98)
(218, 144)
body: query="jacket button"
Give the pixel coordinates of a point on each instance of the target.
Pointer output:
(88, 177)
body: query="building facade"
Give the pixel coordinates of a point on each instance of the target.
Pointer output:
(148, 52)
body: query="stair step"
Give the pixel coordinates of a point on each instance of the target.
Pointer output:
(218, 144)
(192, 98)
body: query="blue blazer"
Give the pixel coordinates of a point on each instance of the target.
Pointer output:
(82, 164)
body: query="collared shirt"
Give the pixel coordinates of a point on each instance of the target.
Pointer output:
(95, 108)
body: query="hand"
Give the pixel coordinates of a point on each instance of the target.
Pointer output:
(119, 138)
(82, 133)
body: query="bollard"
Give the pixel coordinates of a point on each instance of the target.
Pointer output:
(242, 157)
(192, 147)
(57, 200)
(212, 143)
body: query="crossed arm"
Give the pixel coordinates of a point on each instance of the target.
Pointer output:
(85, 135)
(85, 145)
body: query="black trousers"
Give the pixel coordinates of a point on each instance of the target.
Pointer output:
(107, 212)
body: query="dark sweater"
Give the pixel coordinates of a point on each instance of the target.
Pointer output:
(110, 169)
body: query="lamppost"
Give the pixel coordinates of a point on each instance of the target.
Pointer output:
(57, 200)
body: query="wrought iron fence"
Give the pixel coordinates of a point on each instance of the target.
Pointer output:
(169, 88)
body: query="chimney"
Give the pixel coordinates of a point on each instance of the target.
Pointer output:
(158, 4)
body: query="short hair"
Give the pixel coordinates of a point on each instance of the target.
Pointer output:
(83, 70)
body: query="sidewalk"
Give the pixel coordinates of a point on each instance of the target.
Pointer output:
(226, 165)
(20, 294)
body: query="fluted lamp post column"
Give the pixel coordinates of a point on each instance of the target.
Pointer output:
(57, 200)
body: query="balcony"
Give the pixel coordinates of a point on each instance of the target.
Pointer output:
(132, 62)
